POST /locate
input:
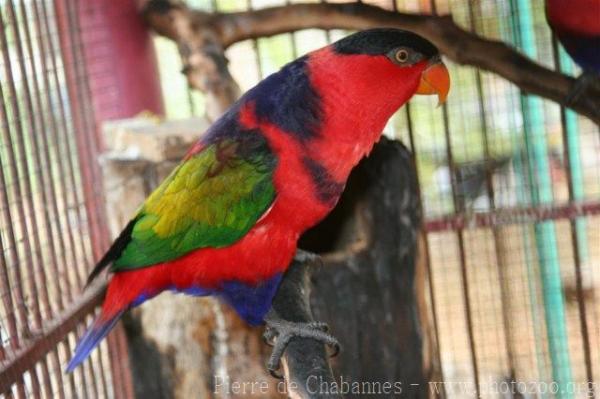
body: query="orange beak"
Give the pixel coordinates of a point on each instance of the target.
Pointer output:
(435, 80)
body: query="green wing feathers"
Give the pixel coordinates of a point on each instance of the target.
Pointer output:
(212, 199)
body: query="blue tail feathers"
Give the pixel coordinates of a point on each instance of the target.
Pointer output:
(252, 302)
(99, 329)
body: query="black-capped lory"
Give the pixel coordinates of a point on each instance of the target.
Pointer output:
(227, 220)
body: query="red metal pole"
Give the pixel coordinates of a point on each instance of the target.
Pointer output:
(111, 73)
(87, 158)
(120, 59)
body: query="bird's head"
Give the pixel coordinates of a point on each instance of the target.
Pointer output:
(381, 65)
(350, 89)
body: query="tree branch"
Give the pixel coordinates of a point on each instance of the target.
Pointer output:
(201, 49)
(193, 29)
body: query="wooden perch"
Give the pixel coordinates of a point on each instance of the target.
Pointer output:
(305, 361)
(202, 37)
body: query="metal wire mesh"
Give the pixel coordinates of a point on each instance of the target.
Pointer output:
(52, 227)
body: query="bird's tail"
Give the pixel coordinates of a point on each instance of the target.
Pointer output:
(120, 296)
(96, 332)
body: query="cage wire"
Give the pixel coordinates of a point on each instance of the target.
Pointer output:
(514, 301)
(511, 253)
(51, 219)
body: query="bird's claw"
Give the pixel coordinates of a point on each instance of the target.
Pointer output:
(336, 349)
(274, 373)
(279, 333)
(269, 336)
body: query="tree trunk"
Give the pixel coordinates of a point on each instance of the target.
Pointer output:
(366, 289)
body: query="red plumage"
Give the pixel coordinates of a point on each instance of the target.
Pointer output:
(576, 24)
(574, 16)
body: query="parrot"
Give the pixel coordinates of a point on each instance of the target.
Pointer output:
(227, 220)
(576, 24)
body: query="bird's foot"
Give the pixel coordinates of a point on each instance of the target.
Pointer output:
(583, 83)
(279, 333)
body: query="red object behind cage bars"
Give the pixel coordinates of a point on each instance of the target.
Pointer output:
(120, 59)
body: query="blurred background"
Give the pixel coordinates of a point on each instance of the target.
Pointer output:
(509, 188)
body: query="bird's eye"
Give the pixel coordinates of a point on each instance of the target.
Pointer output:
(404, 56)
(401, 56)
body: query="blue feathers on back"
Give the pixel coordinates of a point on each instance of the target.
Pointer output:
(288, 100)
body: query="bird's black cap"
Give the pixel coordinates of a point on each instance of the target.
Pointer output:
(382, 41)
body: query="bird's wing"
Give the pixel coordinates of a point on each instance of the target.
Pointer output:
(211, 199)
